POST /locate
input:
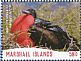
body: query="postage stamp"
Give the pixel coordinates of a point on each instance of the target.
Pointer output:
(40, 30)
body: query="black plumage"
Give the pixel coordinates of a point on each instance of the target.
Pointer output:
(49, 35)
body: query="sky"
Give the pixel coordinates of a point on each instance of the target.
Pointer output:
(55, 5)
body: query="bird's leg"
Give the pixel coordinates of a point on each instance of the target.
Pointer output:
(41, 38)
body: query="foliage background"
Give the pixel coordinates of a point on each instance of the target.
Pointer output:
(64, 14)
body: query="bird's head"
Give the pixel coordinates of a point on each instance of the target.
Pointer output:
(30, 11)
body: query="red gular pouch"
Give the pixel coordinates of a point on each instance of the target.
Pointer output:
(24, 40)
(22, 23)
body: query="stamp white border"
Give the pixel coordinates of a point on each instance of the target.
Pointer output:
(60, 53)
